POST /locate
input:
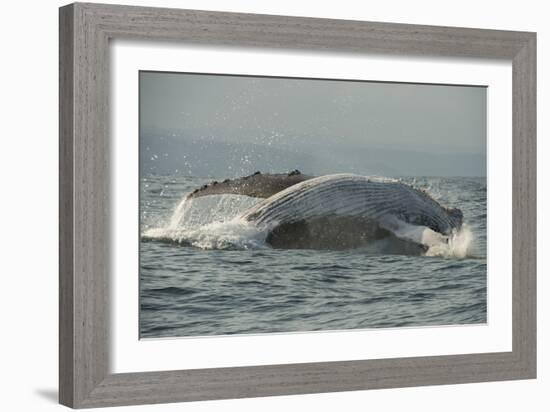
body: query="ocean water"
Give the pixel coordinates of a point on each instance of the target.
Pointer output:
(203, 272)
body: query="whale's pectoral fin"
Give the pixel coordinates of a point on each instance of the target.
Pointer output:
(421, 235)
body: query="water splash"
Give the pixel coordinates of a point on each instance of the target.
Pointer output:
(210, 223)
(459, 244)
(235, 234)
(179, 213)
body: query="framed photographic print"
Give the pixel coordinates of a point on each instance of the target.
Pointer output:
(256, 205)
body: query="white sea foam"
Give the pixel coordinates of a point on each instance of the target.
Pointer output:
(233, 234)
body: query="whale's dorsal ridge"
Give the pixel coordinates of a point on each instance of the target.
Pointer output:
(258, 184)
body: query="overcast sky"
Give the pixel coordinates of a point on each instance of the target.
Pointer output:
(375, 128)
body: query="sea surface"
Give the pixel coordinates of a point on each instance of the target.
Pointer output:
(202, 272)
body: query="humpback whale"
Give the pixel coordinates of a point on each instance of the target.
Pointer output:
(340, 211)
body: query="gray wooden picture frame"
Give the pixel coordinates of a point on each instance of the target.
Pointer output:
(85, 31)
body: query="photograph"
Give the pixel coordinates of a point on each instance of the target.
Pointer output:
(289, 205)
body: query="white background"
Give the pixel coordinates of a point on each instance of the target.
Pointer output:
(28, 306)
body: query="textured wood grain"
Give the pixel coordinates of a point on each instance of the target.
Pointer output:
(66, 229)
(524, 204)
(85, 31)
(85, 258)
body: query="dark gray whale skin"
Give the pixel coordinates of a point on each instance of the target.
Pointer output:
(331, 231)
(255, 185)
